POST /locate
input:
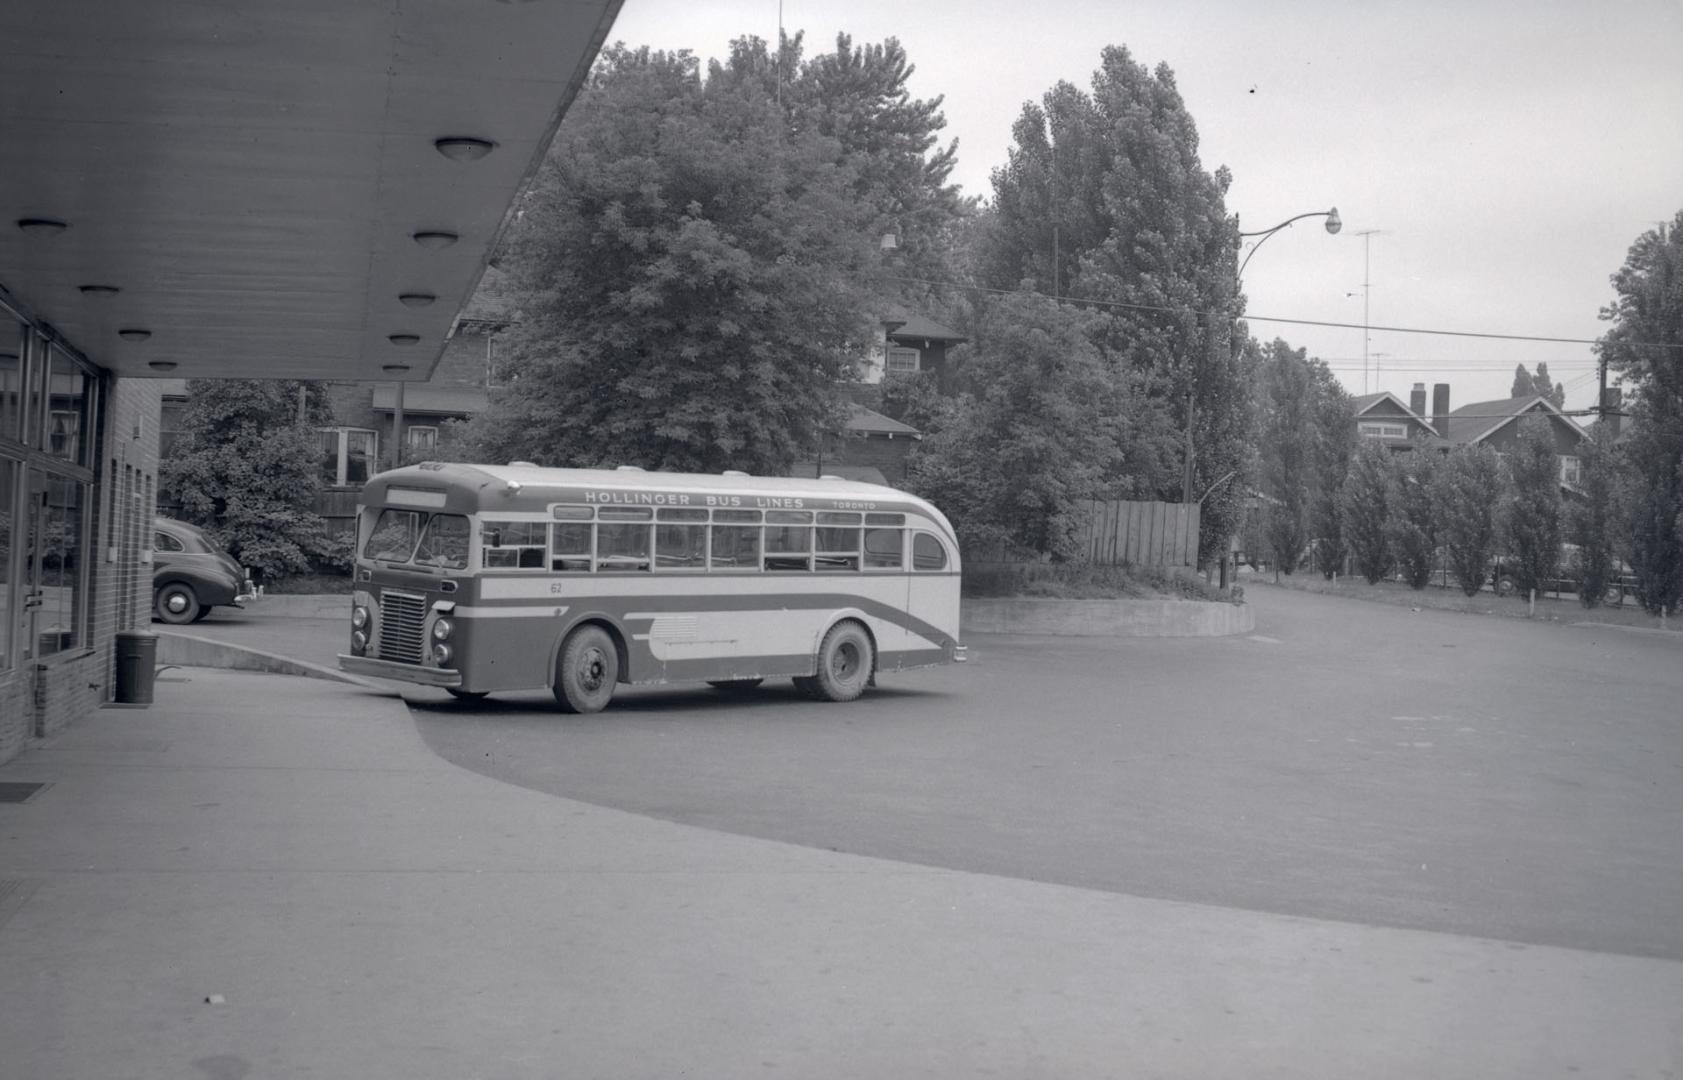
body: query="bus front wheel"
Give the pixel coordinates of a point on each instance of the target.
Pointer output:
(845, 662)
(587, 670)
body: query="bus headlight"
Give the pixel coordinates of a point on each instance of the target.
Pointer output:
(441, 629)
(441, 654)
(359, 641)
(359, 616)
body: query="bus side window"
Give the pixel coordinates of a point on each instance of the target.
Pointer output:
(836, 542)
(569, 547)
(623, 546)
(788, 540)
(927, 552)
(680, 539)
(519, 545)
(736, 540)
(883, 549)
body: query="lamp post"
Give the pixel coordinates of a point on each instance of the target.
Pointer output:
(1333, 225)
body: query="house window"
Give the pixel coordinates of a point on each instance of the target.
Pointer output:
(169, 424)
(347, 456)
(421, 439)
(1384, 431)
(1570, 470)
(902, 360)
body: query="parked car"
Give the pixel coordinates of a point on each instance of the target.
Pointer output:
(1623, 580)
(192, 574)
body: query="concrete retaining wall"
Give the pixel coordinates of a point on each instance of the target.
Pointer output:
(1107, 618)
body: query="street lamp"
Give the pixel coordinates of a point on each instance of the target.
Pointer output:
(1333, 225)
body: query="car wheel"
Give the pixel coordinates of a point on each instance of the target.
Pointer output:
(845, 662)
(1504, 586)
(176, 604)
(1613, 597)
(586, 672)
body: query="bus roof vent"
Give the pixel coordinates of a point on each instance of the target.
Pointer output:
(829, 476)
(628, 468)
(733, 472)
(522, 465)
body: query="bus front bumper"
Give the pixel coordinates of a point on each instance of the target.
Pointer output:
(391, 669)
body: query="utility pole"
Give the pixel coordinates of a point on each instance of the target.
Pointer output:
(1367, 236)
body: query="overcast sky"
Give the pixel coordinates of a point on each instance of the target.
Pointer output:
(1507, 154)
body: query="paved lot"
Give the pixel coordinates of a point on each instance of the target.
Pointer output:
(1348, 760)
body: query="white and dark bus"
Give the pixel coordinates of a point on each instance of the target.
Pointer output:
(483, 578)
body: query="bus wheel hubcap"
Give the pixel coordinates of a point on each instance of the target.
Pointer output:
(591, 671)
(846, 660)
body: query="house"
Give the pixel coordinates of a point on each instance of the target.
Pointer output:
(906, 344)
(1489, 423)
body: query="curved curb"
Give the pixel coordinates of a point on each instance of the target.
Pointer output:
(1107, 618)
(187, 650)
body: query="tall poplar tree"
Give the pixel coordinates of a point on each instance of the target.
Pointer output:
(1645, 345)
(1103, 198)
(1533, 506)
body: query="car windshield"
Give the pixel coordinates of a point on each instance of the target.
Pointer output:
(412, 536)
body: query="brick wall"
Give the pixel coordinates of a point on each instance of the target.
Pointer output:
(47, 695)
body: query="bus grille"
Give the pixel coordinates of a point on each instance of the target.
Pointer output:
(402, 627)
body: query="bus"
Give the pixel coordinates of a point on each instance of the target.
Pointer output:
(481, 579)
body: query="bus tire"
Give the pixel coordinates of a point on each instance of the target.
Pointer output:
(845, 662)
(586, 671)
(734, 686)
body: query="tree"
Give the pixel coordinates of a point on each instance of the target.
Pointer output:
(1591, 521)
(1645, 346)
(1365, 510)
(693, 274)
(1533, 506)
(1336, 425)
(1103, 198)
(1526, 384)
(244, 468)
(1295, 399)
(1035, 438)
(1468, 490)
(1413, 525)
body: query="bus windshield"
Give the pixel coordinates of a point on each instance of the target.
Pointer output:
(413, 536)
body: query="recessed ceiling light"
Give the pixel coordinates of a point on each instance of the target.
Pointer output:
(40, 226)
(134, 334)
(393, 369)
(435, 239)
(161, 365)
(464, 148)
(99, 290)
(417, 299)
(403, 339)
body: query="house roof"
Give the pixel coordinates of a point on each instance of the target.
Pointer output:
(863, 421)
(1476, 422)
(908, 327)
(1385, 405)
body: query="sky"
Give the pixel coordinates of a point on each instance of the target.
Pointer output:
(1492, 163)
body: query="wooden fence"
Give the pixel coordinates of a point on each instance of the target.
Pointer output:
(1140, 533)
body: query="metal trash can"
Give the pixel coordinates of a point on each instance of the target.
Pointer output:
(137, 658)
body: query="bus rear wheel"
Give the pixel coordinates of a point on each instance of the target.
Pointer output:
(845, 662)
(586, 671)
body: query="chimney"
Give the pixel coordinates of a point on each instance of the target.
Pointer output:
(1440, 409)
(1612, 413)
(1417, 399)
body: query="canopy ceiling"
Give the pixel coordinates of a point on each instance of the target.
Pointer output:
(251, 174)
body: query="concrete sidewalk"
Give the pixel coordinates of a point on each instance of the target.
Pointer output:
(264, 876)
